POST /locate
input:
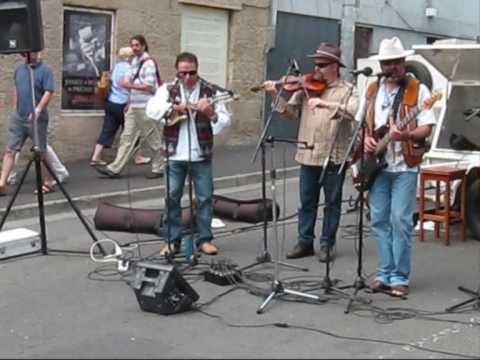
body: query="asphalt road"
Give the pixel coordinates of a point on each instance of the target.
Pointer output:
(68, 306)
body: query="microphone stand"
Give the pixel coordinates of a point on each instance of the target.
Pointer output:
(359, 283)
(277, 286)
(189, 251)
(328, 284)
(169, 255)
(189, 242)
(265, 257)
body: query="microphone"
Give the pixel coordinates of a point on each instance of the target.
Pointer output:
(173, 92)
(384, 73)
(173, 86)
(367, 71)
(294, 64)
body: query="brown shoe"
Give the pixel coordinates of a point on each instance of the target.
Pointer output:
(165, 250)
(208, 248)
(379, 286)
(400, 291)
(299, 251)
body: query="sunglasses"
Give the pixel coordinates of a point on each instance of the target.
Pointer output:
(392, 62)
(185, 73)
(322, 65)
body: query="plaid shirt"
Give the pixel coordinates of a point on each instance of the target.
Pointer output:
(202, 126)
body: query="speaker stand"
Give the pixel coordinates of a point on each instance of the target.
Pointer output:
(39, 183)
(41, 208)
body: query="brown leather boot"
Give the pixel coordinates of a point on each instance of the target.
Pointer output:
(299, 251)
(208, 248)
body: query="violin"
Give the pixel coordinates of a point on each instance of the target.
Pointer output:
(293, 83)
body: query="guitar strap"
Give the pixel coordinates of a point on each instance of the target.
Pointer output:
(394, 111)
(157, 73)
(397, 101)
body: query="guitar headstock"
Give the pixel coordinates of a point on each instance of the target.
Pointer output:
(436, 95)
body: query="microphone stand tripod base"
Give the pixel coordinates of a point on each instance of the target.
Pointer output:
(358, 284)
(264, 258)
(279, 290)
(475, 299)
(330, 289)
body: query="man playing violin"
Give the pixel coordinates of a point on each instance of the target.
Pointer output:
(326, 127)
(189, 144)
(392, 197)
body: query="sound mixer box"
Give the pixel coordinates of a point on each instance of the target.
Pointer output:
(17, 242)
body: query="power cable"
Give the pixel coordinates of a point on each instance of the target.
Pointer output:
(285, 325)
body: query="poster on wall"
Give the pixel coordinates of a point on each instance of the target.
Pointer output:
(86, 54)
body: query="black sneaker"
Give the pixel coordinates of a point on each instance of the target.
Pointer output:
(106, 171)
(322, 254)
(299, 251)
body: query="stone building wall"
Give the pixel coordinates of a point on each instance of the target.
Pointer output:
(73, 133)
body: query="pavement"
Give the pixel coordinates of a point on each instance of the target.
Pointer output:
(67, 305)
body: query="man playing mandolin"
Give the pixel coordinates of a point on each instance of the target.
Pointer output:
(393, 101)
(189, 144)
(326, 127)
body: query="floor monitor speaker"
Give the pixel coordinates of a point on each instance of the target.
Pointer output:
(162, 289)
(20, 26)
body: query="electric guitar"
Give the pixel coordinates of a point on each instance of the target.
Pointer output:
(176, 117)
(374, 162)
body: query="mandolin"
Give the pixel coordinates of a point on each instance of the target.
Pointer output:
(175, 117)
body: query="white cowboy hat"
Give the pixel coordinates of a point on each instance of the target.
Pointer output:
(391, 49)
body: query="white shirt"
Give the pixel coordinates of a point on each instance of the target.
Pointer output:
(383, 104)
(160, 104)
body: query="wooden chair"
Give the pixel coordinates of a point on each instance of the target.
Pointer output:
(442, 215)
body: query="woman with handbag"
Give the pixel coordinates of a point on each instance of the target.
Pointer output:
(116, 101)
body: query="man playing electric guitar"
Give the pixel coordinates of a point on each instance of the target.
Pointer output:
(392, 196)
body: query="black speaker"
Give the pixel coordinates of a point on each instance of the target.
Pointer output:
(20, 26)
(162, 289)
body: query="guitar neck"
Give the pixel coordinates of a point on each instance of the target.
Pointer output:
(216, 99)
(383, 143)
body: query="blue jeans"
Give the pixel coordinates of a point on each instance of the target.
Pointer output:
(392, 201)
(309, 197)
(202, 179)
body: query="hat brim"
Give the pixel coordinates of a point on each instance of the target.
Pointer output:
(392, 57)
(328, 59)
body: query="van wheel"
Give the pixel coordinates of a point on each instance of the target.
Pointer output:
(473, 208)
(420, 71)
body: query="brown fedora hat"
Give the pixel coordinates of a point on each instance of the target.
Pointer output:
(329, 52)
